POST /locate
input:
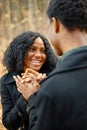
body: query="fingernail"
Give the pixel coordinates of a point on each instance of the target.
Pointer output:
(14, 77)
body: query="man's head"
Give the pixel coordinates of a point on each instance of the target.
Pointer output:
(72, 14)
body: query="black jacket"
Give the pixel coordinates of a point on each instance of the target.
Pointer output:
(61, 103)
(14, 113)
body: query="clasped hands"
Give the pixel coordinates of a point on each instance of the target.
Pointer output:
(28, 82)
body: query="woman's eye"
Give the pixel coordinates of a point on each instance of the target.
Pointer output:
(35, 50)
(31, 49)
(43, 51)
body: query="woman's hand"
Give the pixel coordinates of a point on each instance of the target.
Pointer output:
(26, 88)
(39, 76)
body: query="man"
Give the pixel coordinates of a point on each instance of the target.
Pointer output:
(61, 103)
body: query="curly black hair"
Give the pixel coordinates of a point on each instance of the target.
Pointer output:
(14, 55)
(71, 13)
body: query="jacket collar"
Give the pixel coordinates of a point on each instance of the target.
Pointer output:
(74, 60)
(8, 78)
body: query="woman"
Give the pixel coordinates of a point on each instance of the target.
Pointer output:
(27, 50)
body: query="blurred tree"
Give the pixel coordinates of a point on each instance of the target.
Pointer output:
(5, 19)
(17, 14)
(37, 11)
(0, 16)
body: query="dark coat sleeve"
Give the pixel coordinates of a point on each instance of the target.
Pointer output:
(68, 113)
(44, 118)
(13, 113)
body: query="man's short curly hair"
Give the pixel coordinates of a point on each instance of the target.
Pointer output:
(71, 13)
(14, 55)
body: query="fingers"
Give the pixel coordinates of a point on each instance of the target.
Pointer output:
(35, 84)
(28, 71)
(18, 79)
(27, 79)
(27, 76)
(19, 82)
(19, 89)
(40, 77)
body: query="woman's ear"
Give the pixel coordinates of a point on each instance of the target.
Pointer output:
(55, 24)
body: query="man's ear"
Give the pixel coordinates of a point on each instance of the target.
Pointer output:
(55, 24)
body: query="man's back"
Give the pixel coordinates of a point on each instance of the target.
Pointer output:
(64, 95)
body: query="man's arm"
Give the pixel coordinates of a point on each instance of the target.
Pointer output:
(42, 113)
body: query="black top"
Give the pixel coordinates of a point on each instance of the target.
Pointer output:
(14, 106)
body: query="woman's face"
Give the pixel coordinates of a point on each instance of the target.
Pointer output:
(36, 55)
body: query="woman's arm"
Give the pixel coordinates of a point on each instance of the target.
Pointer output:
(13, 114)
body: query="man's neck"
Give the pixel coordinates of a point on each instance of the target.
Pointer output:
(73, 39)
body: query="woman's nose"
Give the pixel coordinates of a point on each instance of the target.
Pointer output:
(37, 54)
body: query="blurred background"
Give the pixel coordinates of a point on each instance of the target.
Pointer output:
(17, 16)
